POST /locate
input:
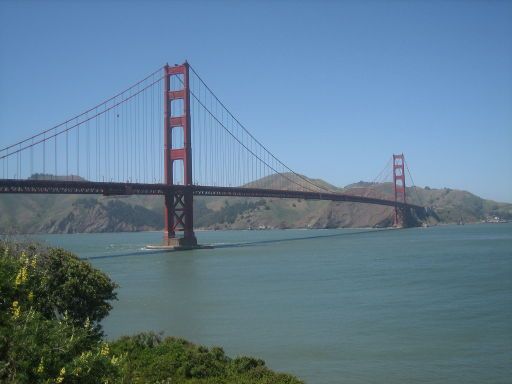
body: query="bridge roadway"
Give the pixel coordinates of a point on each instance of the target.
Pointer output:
(114, 189)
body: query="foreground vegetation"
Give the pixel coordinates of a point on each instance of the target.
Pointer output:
(51, 305)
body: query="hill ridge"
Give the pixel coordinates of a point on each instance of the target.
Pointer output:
(75, 213)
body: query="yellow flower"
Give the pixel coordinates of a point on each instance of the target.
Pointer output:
(30, 296)
(33, 262)
(104, 349)
(21, 277)
(60, 378)
(15, 309)
(40, 367)
(114, 360)
(85, 355)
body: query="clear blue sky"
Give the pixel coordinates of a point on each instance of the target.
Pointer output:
(333, 88)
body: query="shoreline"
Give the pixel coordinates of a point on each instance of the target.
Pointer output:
(255, 230)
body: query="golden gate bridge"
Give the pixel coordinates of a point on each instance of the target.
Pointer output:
(170, 135)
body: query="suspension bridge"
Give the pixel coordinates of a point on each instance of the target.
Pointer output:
(170, 135)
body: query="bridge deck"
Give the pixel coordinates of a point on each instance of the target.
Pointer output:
(112, 189)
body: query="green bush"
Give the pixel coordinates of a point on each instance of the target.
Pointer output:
(149, 358)
(46, 334)
(61, 282)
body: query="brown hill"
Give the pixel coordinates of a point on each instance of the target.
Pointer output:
(69, 213)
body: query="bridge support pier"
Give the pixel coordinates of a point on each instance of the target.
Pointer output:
(400, 217)
(179, 218)
(405, 218)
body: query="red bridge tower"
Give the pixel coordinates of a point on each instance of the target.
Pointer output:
(179, 212)
(399, 184)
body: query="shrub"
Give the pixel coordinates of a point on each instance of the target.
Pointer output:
(45, 336)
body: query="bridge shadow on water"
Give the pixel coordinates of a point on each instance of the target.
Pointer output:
(147, 252)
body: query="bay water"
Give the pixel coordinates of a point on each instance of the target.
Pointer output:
(420, 305)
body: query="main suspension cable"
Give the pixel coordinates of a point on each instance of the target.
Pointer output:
(83, 113)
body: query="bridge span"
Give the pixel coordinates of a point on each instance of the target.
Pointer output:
(123, 189)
